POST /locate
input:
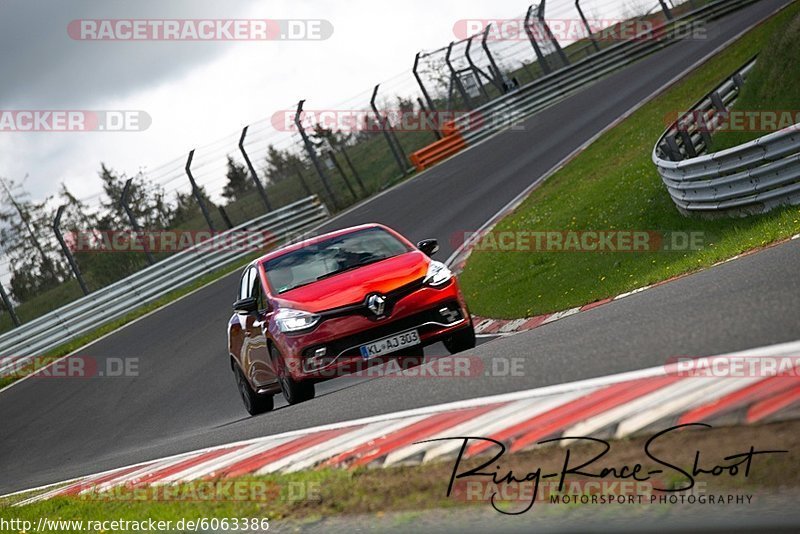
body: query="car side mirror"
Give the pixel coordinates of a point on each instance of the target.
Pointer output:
(428, 246)
(246, 305)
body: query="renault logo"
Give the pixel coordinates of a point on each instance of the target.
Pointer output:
(376, 304)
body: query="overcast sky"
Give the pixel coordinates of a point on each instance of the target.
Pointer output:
(196, 92)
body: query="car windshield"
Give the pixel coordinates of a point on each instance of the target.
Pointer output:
(331, 257)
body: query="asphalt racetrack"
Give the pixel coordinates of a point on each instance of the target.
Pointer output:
(185, 398)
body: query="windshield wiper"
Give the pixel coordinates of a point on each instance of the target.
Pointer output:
(350, 267)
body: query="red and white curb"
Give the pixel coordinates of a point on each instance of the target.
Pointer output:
(618, 405)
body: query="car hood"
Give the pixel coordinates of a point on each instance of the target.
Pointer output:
(351, 287)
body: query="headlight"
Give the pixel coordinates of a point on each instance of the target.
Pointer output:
(294, 320)
(438, 274)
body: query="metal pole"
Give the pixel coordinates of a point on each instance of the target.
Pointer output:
(338, 167)
(559, 50)
(8, 306)
(422, 85)
(67, 252)
(196, 192)
(496, 73)
(454, 74)
(424, 113)
(539, 56)
(313, 155)
(385, 127)
(667, 12)
(259, 186)
(124, 203)
(302, 180)
(225, 218)
(586, 23)
(477, 71)
(341, 147)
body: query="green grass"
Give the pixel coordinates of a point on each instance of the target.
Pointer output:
(771, 86)
(613, 185)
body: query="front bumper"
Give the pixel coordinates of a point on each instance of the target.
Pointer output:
(436, 313)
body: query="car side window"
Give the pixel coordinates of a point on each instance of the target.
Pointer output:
(258, 293)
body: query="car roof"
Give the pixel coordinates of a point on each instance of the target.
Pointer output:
(316, 239)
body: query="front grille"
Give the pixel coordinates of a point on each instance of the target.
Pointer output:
(336, 347)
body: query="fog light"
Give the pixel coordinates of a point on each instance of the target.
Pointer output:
(451, 316)
(315, 361)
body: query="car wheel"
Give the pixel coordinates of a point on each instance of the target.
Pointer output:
(462, 340)
(255, 403)
(412, 357)
(295, 392)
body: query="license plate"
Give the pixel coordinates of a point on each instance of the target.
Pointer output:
(390, 344)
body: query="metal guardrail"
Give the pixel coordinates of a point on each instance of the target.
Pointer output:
(754, 177)
(505, 111)
(148, 285)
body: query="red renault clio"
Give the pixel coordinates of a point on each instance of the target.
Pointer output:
(337, 303)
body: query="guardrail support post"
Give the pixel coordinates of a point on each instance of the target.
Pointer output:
(67, 252)
(388, 133)
(196, 192)
(588, 28)
(313, 155)
(253, 174)
(123, 201)
(9, 307)
(538, 51)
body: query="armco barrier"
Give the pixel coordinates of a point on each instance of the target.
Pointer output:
(750, 178)
(509, 109)
(116, 300)
(436, 152)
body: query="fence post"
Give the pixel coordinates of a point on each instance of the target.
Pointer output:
(338, 167)
(313, 155)
(586, 23)
(224, 215)
(559, 50)
(478, 72)
(67, 252)
(8, 306)
(124, 203)
(532, 38)
(341, 147)
(422, 85)
(259, 186)
(386, 128)
(302, 180)
(497, 74)
(666, 10)
(196, 192)
(456, 78)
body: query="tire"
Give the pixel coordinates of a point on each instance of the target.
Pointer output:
(293, 391)
(462, 340)
(255, 403)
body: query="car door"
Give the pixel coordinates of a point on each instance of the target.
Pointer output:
(254, 354)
